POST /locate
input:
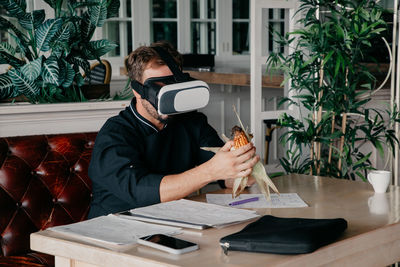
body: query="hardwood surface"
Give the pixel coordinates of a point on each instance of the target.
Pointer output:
(230, 76)
(372, 237)
(242, 79)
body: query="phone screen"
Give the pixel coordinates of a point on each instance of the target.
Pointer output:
(168, 241)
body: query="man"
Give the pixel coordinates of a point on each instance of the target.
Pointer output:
(142, 158)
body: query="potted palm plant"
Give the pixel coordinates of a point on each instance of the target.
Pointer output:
(49, 56)
(333, 88)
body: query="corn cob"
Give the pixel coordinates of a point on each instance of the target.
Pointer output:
(239, 139)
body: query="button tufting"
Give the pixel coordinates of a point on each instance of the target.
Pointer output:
(35, 170)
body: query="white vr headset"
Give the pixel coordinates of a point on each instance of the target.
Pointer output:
(177, 93)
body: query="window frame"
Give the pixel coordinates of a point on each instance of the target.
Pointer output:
(141, 29)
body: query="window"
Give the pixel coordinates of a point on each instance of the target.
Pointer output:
(119, 30)
(240, 26)
(203, 27)
(276, 23)
(219, 27)
(164, 20)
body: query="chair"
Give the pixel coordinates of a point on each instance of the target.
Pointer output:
(97, 82)
(100, 73)
(271, 125)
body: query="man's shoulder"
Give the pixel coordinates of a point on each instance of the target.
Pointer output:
(123, 123)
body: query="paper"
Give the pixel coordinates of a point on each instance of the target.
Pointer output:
(284, 200)
(193, 212)
(113, 230)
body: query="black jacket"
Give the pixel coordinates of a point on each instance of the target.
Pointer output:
(131, 156)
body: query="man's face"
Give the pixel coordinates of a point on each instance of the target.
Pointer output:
(154, 69)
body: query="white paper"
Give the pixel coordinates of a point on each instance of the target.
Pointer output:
(284, 200)
(114, 230)
(195, 212)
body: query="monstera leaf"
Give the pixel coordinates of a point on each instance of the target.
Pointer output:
(18, 36)
(67, 74)
(113, 9)
(87, 27)
(7, 48)
(50, 71)
(24, 85)
(79, 62)
(75, 5)
(98, 13)
(60, 39)
(6, 58)
(6, 86)
(48, 55)
(46, 32)
(8, 26)
(15, 8)
(95, 49)
(33, 69)
(32, 20)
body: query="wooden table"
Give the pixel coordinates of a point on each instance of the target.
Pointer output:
(372, 237)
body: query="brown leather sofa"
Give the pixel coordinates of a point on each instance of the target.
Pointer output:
(43, 182)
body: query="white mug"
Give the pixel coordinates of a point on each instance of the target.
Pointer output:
(378, 204)
(380, 180)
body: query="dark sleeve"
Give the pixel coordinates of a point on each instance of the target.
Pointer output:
(209, 138)
(117, 167)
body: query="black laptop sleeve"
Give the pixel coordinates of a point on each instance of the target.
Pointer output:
(271, 234)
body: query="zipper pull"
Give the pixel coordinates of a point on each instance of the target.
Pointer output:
(225, 247)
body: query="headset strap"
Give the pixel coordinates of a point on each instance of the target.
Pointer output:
(139, 88)
(167, 58)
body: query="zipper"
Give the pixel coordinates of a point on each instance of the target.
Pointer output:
(225, 247)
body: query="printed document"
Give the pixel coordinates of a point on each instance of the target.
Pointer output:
(283, 200)
(191, 214)
(113, 230)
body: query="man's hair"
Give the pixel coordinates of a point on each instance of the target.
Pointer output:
(139, 58)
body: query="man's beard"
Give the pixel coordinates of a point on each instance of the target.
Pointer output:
(153, 112)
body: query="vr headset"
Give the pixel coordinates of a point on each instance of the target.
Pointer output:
(177, 93)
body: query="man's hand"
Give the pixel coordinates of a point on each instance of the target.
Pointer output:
(233, 164)
(224, 165)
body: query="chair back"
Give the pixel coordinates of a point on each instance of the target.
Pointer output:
(100, 73)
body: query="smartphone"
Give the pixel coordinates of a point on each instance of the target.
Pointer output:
(168, 243)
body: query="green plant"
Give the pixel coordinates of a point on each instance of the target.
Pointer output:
(332, 88)
(50, 55)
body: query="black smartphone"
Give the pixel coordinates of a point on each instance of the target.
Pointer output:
(168, 243)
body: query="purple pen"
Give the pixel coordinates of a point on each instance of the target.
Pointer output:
(242, 201)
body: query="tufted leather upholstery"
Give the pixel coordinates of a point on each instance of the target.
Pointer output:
(43, 182)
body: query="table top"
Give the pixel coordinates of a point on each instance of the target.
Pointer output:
(229, 75)
(372, 236)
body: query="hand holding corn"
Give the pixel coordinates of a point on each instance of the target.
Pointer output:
(264, 182)
(241, 138)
